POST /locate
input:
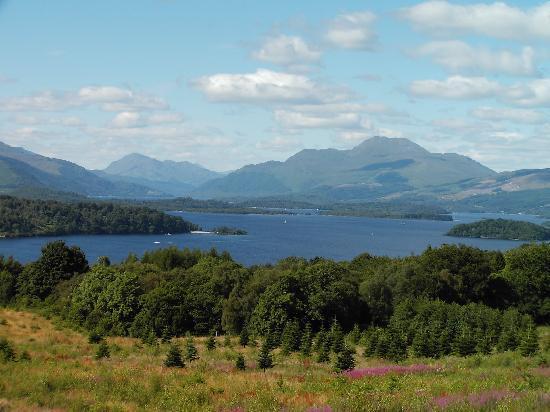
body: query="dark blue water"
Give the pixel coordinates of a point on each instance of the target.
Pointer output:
(270, 239)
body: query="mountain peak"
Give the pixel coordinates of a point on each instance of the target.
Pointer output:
(381, 145)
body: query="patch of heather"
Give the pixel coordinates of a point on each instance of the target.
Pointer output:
(475, 399)
(387, 369)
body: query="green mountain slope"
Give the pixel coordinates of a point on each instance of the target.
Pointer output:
(376, 168)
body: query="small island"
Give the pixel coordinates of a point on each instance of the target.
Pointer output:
(25, 217)
(501, 229)
(226, 230)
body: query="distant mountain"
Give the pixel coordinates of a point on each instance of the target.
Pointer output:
(23, 171)
(378, 168)
(175, 178)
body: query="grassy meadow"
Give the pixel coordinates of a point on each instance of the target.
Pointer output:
(63, 374)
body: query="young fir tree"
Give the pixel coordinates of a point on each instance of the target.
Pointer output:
(173, 358)
(319, 340)
(420, 344)
(265, 361)
(290, 339)
(465, 343)
(211, 343)
(344, 360)
(355, 335)
(244, 337)
(191, 352)
(397, 349)
(508, 339)
(305, 344)
(529, 345)
(371, 341)
(382, 344)
(95, 337)
(323, 354)
(7, 353)
(240, 363)
(150, 338)
(336, 337)
(102, 351)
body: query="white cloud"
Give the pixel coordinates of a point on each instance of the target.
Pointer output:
(495, 20)
(507, 114)
(127, 119)
(265, 86)
(458, 56)
(289, 51)
(456, 87)
(108, 98)
(533, 93)
(352, 31)
(298, 120)
(165, 118)
(71, 121)
(279, 144)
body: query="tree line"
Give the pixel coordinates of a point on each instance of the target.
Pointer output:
(450, 299)
(24, 217)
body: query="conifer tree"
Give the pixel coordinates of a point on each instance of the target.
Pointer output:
(319, 339)
(508, 340)
(336, 337)
(191, 352)
(397, 349)
(529, 345)
(244, 337)
(382, 344)
(7, 353)
(371, 341)
(173, 358)
(323, 355)
(227, 341)
(420, 344)
(305, 344)
(355, 334)
(95, 337)
(211, 343)
(290, 339)
(102, 351)
(150, 338)
(240, 363)
(265, 361)
(465, 344)
(344, 360)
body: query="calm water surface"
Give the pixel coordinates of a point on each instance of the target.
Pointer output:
(270, 239)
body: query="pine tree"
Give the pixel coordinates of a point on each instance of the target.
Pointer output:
(345, 360)
(382, 344)
(529, 345)
(465, 344)
(211, 343)
(319, 339)
(355, 334)
(191, 352)
(103, 351)
(371, 341)
(95, 337)
(508, 340)
(265, 361)
(150, 338)
(244, 337)
(305, 344)
(420, 344)
(290, 339)
(397, 349)
(7, 353)
(336, 337)
(323, 354)
(173, 358)
(240, 364)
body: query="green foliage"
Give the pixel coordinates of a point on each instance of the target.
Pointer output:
(529, 345)
(290, 340)
(240, 363)
(211, 343)
(244, 337)
(173, 358)
(8, 287)
(102, 351)
(7, 353)
(306, 341)
(191, 352)
(95, 337)
(265, 360)
(226, 230)
(501, 229)
(336, 336)
(24, 217)
(227, 341)
(344, 360)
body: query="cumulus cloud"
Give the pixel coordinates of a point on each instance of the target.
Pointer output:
(456, 87)
(508, 114)
(458, 56)
(266, 86)
(352, 31)
(108, 98)
(289, 51)
(497, 20)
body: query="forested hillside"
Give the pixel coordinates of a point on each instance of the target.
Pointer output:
(501, 229)
(22, 217)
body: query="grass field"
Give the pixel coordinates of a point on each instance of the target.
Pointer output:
(63, 374)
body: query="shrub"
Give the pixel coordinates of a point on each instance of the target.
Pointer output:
(173, 358)
(95, 337)
(103, 351)
(7, 353)
(191, 352)
(244, 337)
(344, 360)
(265, 361)
(240, 362)
(211, 343)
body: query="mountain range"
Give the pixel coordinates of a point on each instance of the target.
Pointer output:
(378, 169)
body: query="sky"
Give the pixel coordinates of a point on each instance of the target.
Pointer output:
(229, 83)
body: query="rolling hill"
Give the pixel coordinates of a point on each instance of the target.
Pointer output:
(378, 168)
(21, 169)
(175, 178)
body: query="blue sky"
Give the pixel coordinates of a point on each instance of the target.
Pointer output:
(228, 83)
